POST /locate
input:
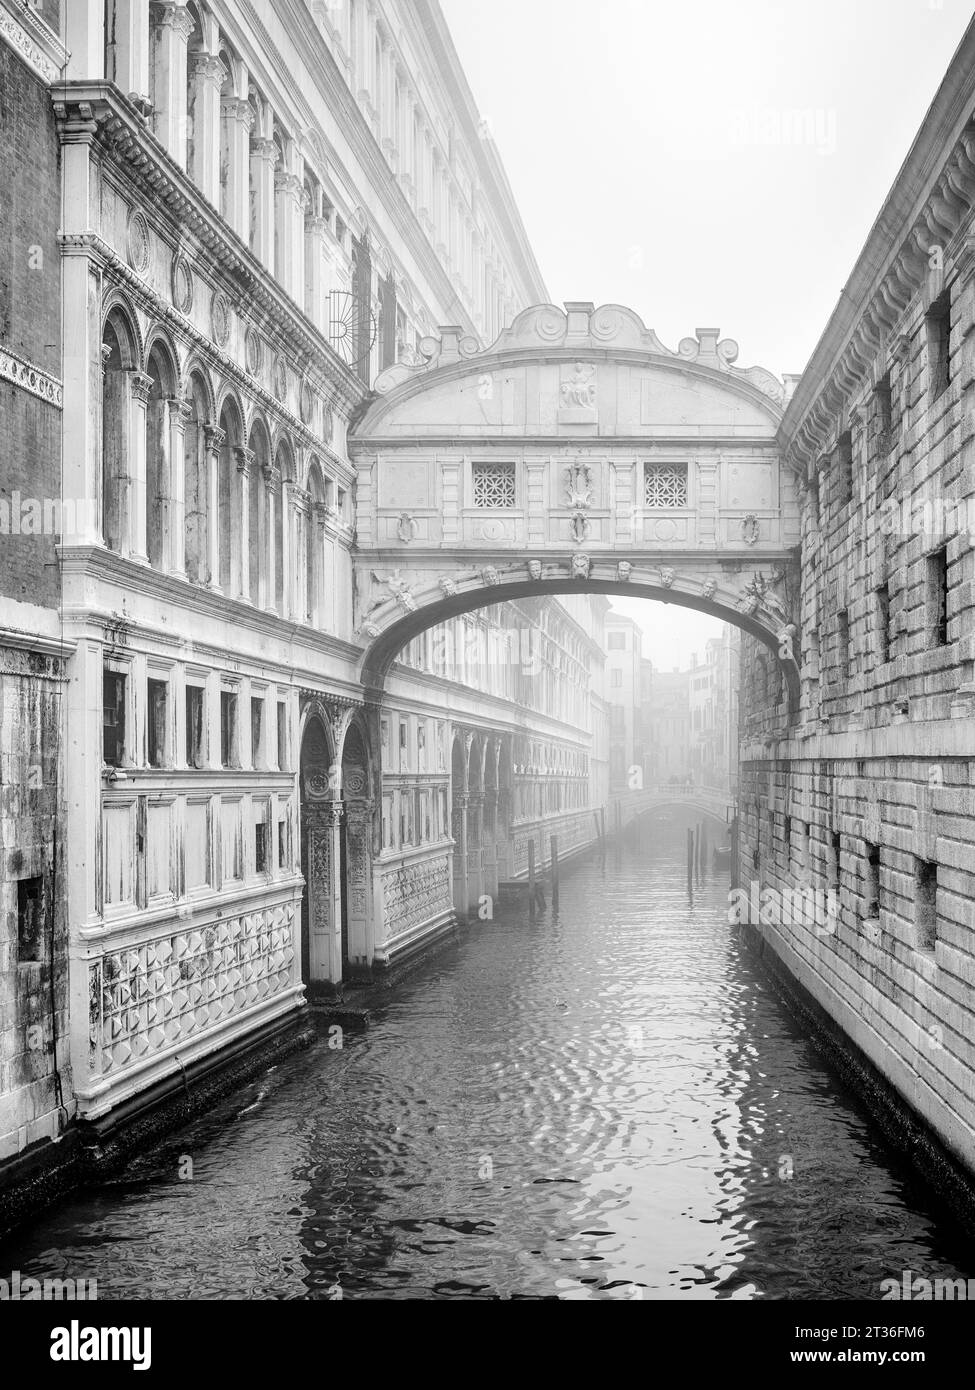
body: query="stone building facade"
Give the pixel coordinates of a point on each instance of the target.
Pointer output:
(35, 1070)
(245, 213)
(864, 788)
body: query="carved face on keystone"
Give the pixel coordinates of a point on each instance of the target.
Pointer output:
(624, 570)
(535, 569)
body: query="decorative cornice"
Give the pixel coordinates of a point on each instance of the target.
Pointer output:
(38, 46)
(24, 374)
(91, 245)
(925, 212)
(121, 133)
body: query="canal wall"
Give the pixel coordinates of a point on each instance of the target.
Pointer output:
(859, 785)
(912, 1137)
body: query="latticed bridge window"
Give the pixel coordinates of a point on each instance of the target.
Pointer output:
(665, 484)
(494, 485)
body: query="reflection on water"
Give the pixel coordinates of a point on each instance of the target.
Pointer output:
(610, 1103)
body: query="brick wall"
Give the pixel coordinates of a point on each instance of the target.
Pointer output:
(868, 795)
(33, 929)
(30, 428)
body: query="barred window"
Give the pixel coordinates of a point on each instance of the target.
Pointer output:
(665, 484)
(494, 485)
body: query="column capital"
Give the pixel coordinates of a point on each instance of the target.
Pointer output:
(315, 225)
(272, 476)
(209, 68)
(215, 437)
(265, 149)
(238, 109)
(244, 459)
(290, 184)
(141, 386)
(180, 410)
(174, 15)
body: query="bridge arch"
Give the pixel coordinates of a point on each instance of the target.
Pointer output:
(576, 452)
(397, 628)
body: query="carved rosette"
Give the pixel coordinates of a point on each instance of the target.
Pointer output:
(253, 351)
(137, 245)
(306, 402)
(181, 284)
(220, 318)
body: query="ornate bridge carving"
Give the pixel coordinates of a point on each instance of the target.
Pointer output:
(577, 451)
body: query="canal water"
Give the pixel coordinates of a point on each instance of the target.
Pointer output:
(610, 1102)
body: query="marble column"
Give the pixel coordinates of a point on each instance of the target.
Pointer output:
(131, 30)
(240, 561)
(140, 385)
(174, 524)
(290, 238)
(236, 120)
(264, 154)
(316, 293)
(459, 834)
(215, 439)
(171, 33)
(208, 76)
(272, 484)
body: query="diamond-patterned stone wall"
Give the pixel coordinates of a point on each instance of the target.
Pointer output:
(148, 997)
(414, 894)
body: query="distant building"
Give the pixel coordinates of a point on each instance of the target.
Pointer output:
(713, 711)
(624, 687)
(669, 725)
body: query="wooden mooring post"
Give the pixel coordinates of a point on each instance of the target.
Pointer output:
(531, 878)
(555, 871)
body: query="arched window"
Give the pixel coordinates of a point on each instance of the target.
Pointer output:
(228, 94)
(162, 391)
(195, 491)
(194, 52)
(118, 361)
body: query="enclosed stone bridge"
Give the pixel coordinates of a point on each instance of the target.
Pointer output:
(576, 452)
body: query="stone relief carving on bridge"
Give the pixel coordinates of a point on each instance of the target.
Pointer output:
(581, 565)
(709, 588)
(447, 586)
(578, 485)
(407, 527)
(583, 327)
(397, 587)
(535, 569)
(577, 395)
(623, 571)
(490, 575)
(760, 592)
(667, 577)
(750, 529)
